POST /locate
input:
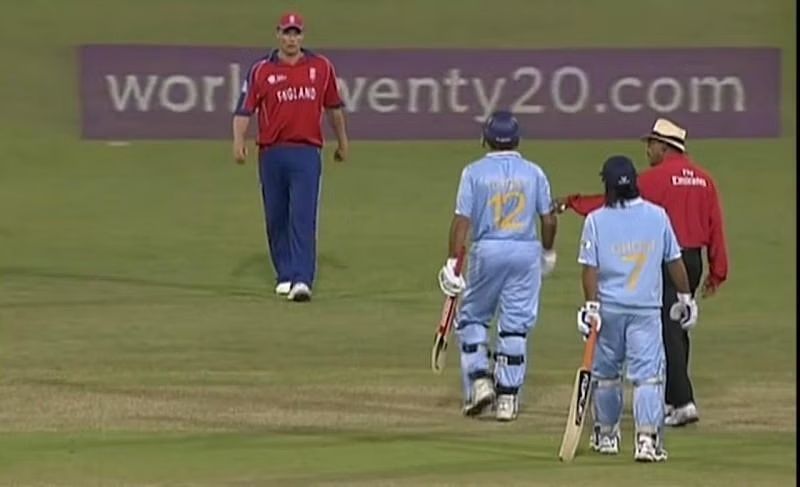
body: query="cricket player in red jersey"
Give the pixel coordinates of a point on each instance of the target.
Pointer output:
(689, 195)
(288, 91)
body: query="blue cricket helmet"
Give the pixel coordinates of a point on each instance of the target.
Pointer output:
(619, 171)
(501, 128)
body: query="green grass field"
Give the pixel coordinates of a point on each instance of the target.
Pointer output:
(140, 343)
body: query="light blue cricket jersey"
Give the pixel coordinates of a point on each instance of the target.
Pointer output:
(501, 194)
(629, 246)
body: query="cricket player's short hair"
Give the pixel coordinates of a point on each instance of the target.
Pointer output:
(619, 176)
(501, 130)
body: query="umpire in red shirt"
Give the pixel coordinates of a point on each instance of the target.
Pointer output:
(689, 196)
(288, 90)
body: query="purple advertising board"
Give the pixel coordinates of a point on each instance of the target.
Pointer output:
(173, 92)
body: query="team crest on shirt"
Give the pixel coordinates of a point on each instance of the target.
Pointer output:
(276, 78)
(312, 74)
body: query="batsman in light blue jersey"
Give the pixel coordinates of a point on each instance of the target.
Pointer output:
(501, 198)
(623, 247)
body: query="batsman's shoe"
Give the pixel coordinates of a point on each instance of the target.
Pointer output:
(682, 416)
(648, 449)
(300, 292)
(507, 407)
(482, 396)
(283, 288)
(605, 443)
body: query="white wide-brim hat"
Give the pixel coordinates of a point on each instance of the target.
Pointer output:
(669, 133)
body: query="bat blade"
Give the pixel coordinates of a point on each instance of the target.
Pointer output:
(439, 354)
(580, 400)
(579, 403)
(439, 350)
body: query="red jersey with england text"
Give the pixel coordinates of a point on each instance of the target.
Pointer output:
(289, 99)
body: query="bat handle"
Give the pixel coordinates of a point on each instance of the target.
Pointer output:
(588, 348)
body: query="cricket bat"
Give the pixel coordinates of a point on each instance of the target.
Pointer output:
(439, 351)
(579, 403)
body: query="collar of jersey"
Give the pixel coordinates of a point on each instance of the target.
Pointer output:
(502, 153)
(670, 158)
(635, 201)
(273, 56)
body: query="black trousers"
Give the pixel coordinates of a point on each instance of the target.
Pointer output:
(678, 390)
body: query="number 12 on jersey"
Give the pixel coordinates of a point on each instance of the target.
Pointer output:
(507, 209)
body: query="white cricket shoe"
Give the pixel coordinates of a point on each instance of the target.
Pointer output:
(682, 416)
(507, 407)
(300, 292)
(605, 443)
(283, 288)
(482, 396)
(648, 449)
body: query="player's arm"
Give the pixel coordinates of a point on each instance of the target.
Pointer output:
(548, 224)
(240, 125)
(685, 310)
(337, 122)
(717, 251)
(460, 225)
(248, 102)
(673, 258)
(589, 283)
(588, 257)
(459, 229)
(679, 276)
(547, 214)
(335, 113)
(450, 283)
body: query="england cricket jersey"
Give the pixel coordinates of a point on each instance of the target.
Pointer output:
(289, 99)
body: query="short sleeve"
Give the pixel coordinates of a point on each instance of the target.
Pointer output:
(250, 96)
(464, 196)
(587, 254)
(332, 98)
(544, 199)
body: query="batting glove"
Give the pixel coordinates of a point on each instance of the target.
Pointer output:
(451, 284)
(590, 312)
(685, 311)
(548, 261)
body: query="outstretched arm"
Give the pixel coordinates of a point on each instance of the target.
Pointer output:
(580, 204)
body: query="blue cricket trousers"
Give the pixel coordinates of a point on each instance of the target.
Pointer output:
(290, 187)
